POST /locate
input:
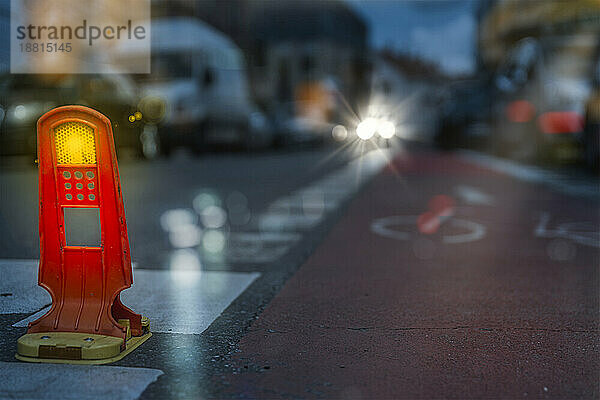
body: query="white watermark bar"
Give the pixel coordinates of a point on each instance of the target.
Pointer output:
(80, 36)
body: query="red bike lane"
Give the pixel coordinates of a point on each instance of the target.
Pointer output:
(498, 299)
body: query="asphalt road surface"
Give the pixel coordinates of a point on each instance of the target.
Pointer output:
(355, 274)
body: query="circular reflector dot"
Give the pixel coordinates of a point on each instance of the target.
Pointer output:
(91, 185)
(89, 174)
(67, 185)
(91, 197)
(79, 197)
(78, 174)
(67, 175)
(339, 133)
(79, 186)
(69, 196)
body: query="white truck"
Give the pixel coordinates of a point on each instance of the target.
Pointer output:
(197, 92)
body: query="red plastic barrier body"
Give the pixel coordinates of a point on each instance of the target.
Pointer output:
(84, 281)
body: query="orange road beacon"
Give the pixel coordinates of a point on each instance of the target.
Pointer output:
(84, 248)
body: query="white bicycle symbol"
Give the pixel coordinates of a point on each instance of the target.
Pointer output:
(388, 227)
(584, 233)
(399, 227)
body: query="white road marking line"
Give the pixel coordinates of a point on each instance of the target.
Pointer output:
(259, 247)
(257, 255)
(178, 301)
(185, 301)
(62, 381)
(330, 186)
(306, 207)
(328, 195)
(265, 237)
(277, 222)
(533, 174)
(304, 203)
(473, 196)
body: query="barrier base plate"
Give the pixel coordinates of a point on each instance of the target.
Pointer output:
(76, 348)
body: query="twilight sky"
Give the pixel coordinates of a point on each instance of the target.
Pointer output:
(439, 30)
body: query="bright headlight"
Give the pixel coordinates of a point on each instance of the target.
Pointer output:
(386, 129)
(367, 128)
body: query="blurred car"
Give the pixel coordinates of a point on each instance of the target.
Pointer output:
(298, 130)
(543, 86)
(197, 94)
(24, 98)
(311, 116)
(295, 128)
(464, 119)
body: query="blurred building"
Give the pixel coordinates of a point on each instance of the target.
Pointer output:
(307, 42)
(406, 91)
(541, 56)
(502, 23)
(290, 46)
(482, 10)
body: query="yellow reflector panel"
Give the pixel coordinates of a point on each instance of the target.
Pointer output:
(75, 143)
